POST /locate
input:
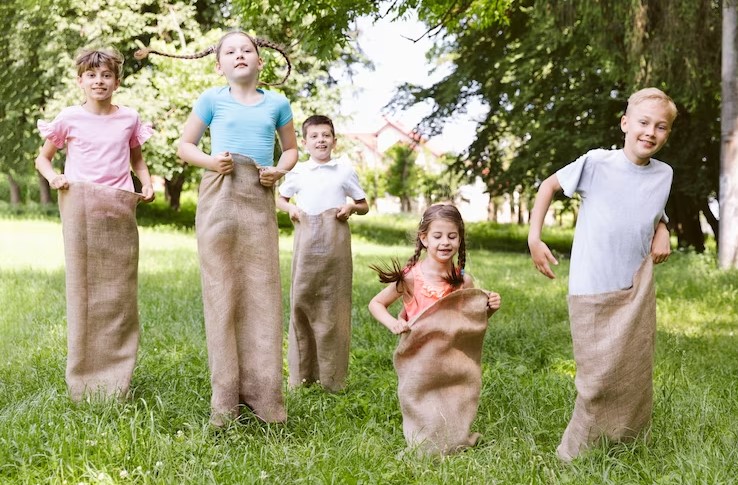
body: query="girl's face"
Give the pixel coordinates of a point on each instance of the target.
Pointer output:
(98, 83)
(238, 59)
(442, 240)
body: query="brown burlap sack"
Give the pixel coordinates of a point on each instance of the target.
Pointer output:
(238, 247)
(320, 316)
(439, 372)
(101, 255)
(613, 335)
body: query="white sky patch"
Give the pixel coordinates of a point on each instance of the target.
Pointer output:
(397, 60)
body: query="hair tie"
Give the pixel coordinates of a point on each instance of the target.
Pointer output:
(141, 53)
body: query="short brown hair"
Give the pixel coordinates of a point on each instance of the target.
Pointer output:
(89, 59)
(317, 120)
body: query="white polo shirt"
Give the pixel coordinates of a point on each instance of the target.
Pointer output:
(318, 187)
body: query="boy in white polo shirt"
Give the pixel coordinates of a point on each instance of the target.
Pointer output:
(327, 193)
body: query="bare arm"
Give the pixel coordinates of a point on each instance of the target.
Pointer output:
(378, 308)
(46, 169)
(188, 150)
(493, 299)
(539, 251)
(142, 172)
(269, 176)
(283, 204)
(360, 207)
(661, 244)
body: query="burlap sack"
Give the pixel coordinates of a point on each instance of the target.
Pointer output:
(320, 316)
(238, 247)
(613, 335)
(101, 255)
(439, 372)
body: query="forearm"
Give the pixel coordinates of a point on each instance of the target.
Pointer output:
(142, 172)
(540, 207)
(190, 153)
(287, 160)
(360, 207)
(283, 204)
(382, 315)
(45, 168)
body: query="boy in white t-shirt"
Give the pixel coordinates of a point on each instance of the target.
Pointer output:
(620, 233)
(327, 193)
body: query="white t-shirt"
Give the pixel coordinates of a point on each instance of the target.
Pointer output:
(318, 187)
(622, 204)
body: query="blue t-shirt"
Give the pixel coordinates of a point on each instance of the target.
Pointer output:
(239, 128)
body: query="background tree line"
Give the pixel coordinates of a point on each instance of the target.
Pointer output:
(554, 76)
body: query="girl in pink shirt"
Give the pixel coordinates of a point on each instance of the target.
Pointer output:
(103, 141)
(97, 205)
(421, 282)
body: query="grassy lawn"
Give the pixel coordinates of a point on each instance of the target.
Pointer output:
(161, 435)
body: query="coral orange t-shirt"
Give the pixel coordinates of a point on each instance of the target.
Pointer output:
(424, 295)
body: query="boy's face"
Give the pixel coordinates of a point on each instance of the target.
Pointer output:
(98, 83)
(319, 142)
(646, 126)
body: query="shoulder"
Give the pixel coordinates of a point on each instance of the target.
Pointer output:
(661, 166)
(214, 92)
(70, 112)
(298, 169)
(276, 98)
(600, 155)
(127, 112)
(468, 281)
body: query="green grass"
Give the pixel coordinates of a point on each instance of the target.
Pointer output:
(161, 434)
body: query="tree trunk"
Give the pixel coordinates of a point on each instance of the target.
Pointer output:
(44, 190)
(15, 193)
(685, 219)
(711, 219)
(173, 190)
(728, 234)
(492, 210)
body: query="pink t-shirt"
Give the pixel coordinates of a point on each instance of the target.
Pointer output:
(98, 146)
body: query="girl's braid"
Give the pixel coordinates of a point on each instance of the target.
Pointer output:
(416, 256)
(274, 46)
(462, 259)
(143, 53)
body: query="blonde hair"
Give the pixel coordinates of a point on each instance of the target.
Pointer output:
(89, 59)
(654, 94)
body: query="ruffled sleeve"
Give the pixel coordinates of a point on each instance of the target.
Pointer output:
(142, 133)
(53, 132)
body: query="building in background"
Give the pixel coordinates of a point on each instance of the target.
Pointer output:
(368, 151)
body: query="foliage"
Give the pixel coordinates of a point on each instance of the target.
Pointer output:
(555, 79)
(161, 435)
(402, 173)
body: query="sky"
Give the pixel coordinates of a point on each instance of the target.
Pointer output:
(397, 59)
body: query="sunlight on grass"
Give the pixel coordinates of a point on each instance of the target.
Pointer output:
(161, 435)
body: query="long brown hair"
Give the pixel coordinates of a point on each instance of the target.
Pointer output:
(215, 49)
(395, 272)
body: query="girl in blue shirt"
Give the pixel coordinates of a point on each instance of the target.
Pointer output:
(236, 228)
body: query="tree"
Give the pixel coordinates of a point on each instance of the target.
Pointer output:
(402, 174)
(728, 235)
(555, 79)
